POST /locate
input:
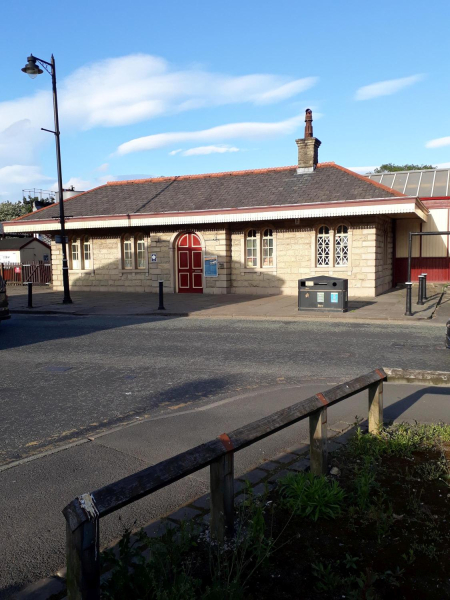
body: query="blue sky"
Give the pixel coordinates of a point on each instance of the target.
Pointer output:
(168, 88)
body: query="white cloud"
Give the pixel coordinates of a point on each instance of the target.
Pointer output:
(82, 185)
(251, 130)
(22, 174)
(14, 178)
(104, 167)
(363, 170)
(386, 88)
(127, 90)
(438, 142)
(445, 165)
(173, 152)
(133, 88)
(201, 150)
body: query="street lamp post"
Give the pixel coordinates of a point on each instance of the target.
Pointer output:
(32, 69)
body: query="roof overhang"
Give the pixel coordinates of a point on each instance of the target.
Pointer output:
(400, 206)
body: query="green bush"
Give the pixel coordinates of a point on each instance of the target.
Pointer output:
(305, 495)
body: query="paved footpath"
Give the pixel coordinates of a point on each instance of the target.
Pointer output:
(38, 488)
(387, 307)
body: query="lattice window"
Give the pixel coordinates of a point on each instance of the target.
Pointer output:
(140, 251)
(323, 247)
(341, 246)
(267, 248)
(251, 259)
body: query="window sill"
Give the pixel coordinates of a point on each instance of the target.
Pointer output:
(87, 271)
(144, 270)
(345, 269)
(259, 270)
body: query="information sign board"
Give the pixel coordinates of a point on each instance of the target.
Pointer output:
(211, 266)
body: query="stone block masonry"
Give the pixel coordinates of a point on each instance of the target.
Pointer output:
(369, 266)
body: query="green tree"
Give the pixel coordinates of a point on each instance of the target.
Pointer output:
(12, 210)
(391, 168)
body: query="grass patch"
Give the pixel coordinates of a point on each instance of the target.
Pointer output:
(377, 531)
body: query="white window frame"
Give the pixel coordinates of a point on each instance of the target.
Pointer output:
(87, 246)
(270, 238)
(128, 239)
(259, 267)
(338, 235)
(133, 239)
(75, 265)
(139, 238)
(81, 264)
(330, 239)
(254, 239)
(332, 267)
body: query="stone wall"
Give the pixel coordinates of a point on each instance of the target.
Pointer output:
(107, 274)
(369, 270)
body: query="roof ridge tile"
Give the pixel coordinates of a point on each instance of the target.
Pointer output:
(202, 175)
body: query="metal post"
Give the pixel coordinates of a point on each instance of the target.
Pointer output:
(65, 265)
(30, 294)
(420, 301)
(408, 312)
(409, 255)
(424, 296)
(161, 296)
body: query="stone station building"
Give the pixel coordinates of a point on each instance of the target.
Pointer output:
(255, 232)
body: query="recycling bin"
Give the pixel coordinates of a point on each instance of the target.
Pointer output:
(323, 293)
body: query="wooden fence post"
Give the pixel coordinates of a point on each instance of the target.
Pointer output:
(222, 497)
(318, 442)
(375, 407)
(83, 559)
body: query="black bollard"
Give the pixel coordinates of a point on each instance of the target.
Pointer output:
(424, 295)
(420, 301)
(161, 296)
(408, 312)
(30, 294)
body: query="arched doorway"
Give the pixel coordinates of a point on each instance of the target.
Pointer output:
(189, 264)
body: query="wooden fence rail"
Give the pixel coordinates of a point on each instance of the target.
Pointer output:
(84, 512)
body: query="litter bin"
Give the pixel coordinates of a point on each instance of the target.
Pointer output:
(323, 293)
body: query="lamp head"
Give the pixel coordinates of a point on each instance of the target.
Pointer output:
(31, 68)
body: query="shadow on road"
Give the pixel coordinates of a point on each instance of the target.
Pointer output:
(397, 409)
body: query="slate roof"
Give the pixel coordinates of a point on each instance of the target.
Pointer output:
(239, 189)
(15, 243)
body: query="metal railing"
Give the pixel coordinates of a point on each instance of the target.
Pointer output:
(83, 514)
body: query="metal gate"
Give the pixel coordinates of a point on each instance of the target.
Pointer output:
(39, 273)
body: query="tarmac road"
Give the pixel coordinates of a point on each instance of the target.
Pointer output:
(65, 378)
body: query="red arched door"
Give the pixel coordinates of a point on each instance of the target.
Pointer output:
(190, 264)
